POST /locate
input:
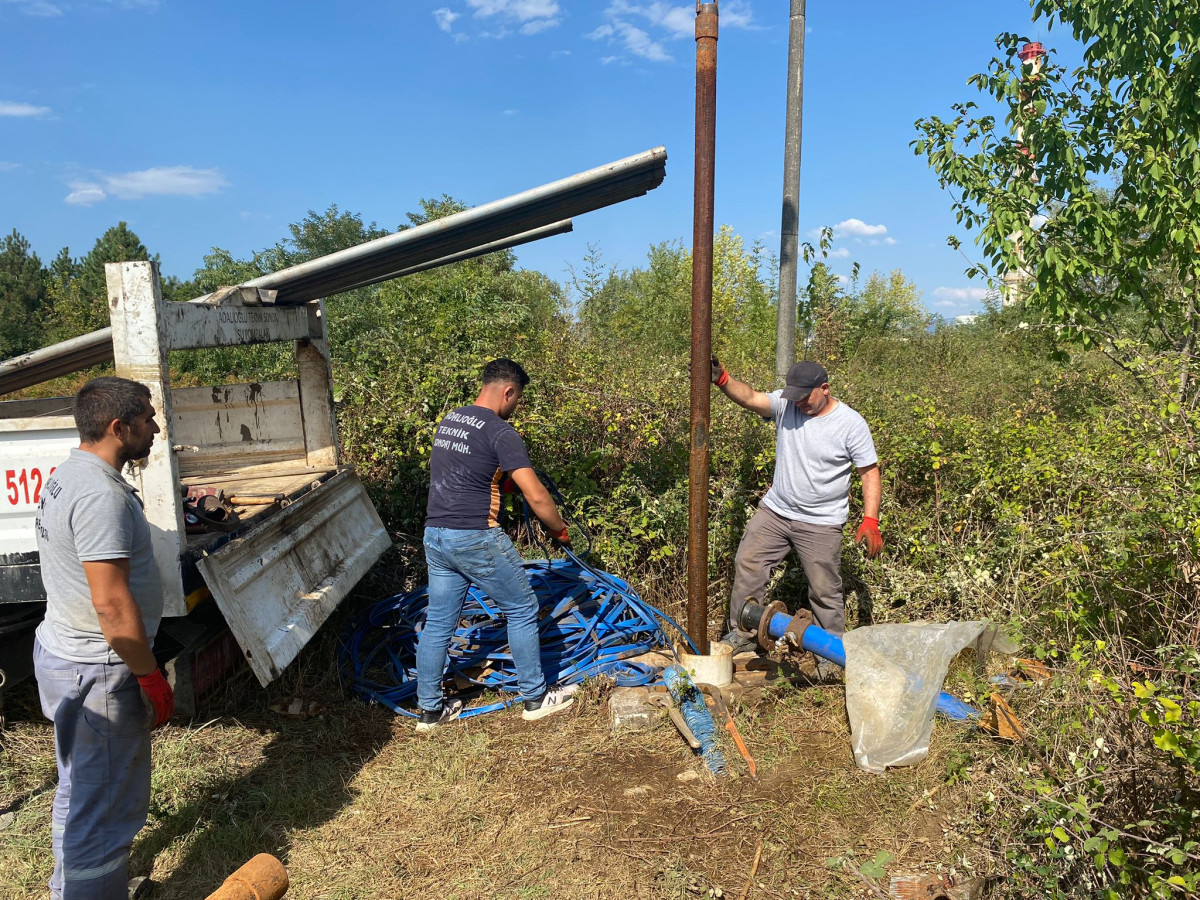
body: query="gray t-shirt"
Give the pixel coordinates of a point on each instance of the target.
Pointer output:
(813, 460)
(88, 512)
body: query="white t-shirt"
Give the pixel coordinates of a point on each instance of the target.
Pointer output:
(88, 512)
(813, 460)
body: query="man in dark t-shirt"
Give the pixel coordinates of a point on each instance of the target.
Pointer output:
(475, 451)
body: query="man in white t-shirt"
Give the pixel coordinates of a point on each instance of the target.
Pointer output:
(819, 439)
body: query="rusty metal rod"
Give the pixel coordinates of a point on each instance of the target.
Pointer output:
(702, 275)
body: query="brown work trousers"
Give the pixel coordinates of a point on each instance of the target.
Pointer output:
(764, 545)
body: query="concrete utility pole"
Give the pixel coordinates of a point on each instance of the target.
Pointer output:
(789, 230)
(702, 277)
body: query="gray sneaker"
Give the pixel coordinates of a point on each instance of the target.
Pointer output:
(432, 719)
(554, 700)
(740, 641)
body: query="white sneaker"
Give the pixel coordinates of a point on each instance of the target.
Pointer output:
(554, 700)
(448, 713)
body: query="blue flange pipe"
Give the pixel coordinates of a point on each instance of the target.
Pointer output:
(819, 641)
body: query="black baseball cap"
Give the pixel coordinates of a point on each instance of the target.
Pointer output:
(802, 378)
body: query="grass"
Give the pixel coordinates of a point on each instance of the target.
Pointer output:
(357, 805)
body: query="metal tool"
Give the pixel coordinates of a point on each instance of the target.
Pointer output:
(730, 725)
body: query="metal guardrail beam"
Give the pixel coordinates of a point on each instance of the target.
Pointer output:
(499, 225)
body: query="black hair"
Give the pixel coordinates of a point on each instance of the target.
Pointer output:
(505, 370)
(103, 399)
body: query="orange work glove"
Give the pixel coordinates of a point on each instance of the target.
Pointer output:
(868, 537)
(160, 695)
(718, 375)
(562, 538)
(508, 486)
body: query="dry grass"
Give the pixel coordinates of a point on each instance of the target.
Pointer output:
(359, 806)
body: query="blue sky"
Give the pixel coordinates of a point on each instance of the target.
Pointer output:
(218, 123)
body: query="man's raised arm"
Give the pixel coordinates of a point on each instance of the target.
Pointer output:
(740, 392)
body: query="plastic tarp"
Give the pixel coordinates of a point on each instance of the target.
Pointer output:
(894, 674)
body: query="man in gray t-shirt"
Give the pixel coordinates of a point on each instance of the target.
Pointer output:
(97, 676)
(819, 440)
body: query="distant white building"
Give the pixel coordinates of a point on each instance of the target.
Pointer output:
(965, 320)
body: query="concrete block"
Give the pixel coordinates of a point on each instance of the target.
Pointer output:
(631, 710)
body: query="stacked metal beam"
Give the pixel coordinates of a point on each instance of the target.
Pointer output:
(515, 220)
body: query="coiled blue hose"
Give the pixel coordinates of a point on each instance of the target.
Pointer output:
(695, 712)
(590, 623)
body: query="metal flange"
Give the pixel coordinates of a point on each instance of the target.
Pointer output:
(764, 624)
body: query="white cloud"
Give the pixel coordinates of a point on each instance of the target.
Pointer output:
(844, 280)
(522, 10)
(40, 8)
(557, 53)
(532, 15)
(46, 10)
(538, 25)
(181, 180)
(633, 39)
(178, 181)
(680, 21)
(737, 14)
(9, 166)
(445, 18)
(954, 296)
(22, 110)
(839, 253)
(84, 195)
(510, 112)
(857, 228)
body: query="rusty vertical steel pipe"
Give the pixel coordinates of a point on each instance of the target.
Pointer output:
(702, 277)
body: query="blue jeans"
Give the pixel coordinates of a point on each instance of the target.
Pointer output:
(102, 745)
(485, 557)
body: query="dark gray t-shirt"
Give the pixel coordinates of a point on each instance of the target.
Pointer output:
(813, 459)
(472, 449)
(88, 512)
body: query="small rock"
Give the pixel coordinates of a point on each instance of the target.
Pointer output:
(688, 775)
(7, 819)
(630, 709)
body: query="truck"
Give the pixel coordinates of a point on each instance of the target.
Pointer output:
(248, 502)
(259, 529)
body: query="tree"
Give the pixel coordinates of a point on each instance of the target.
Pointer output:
(23, 294)
(1091, 182)
(887, 306)
(81, 302)
(822, 314)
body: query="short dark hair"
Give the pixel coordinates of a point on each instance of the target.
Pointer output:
(505, 370)
(103, 399)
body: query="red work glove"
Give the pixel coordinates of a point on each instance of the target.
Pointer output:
(718, 374)
(562, 539)
(508, 486)
(869, 537)
(160, 695)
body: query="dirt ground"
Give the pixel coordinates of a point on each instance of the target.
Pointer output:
(357, 805)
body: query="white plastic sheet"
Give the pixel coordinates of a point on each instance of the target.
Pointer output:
(894, 674)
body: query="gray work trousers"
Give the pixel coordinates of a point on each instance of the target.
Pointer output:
(766, 542)
(102, 745)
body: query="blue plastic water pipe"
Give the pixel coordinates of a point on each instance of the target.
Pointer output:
(829, 646)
